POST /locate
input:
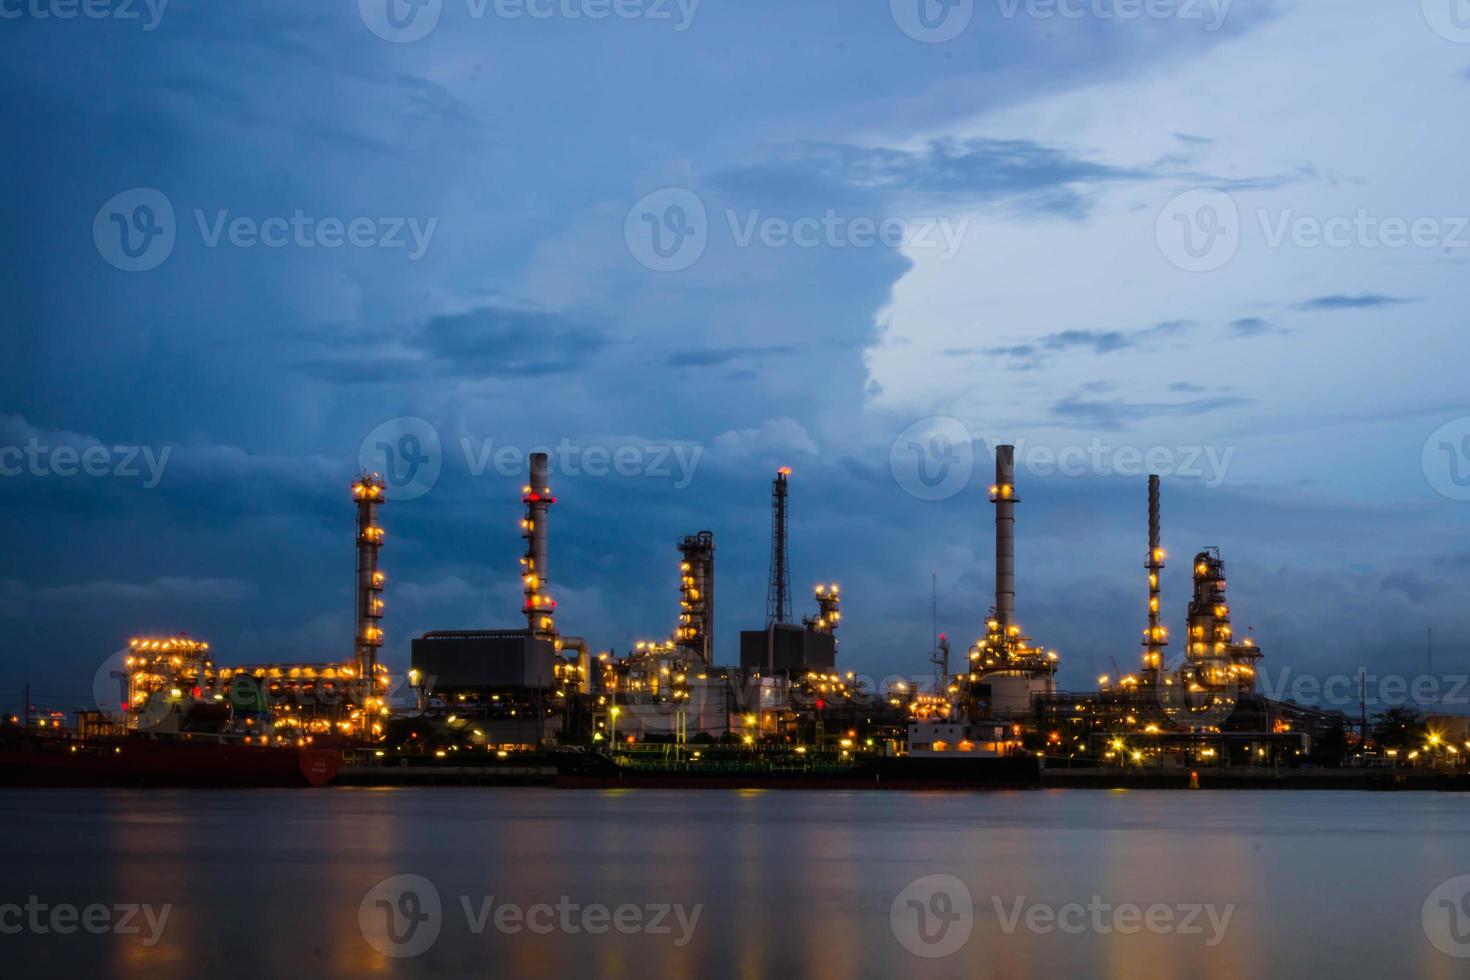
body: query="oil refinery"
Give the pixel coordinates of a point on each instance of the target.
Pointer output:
(507, 692)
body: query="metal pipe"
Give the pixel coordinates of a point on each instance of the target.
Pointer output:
(1003, 494)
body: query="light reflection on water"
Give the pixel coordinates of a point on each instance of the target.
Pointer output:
(791, 883)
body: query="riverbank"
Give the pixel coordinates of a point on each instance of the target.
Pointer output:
(597, 772)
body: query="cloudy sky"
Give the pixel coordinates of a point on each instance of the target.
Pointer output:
(684, 244)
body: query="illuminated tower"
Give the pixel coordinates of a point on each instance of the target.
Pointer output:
(778, 593)
(829, 610)
(696, 630)
(368, 492)
(540, 608)
(1156, 637)
(1214, 660)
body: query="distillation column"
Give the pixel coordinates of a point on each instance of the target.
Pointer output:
(1156, 637)
(540, 608)
(696, 629)
(368, 492)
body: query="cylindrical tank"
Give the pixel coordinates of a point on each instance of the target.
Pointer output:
(1011, 694)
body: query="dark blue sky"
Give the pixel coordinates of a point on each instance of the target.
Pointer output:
(1227, 239)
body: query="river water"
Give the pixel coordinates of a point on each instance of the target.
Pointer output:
(696, 884)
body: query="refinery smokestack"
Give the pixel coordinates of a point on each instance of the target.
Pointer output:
(1003, 495)
(540, 608)
(778, 591)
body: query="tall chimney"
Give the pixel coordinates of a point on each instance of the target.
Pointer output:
(1156, 637)
(540, 608)
(1003, 495)
(778, 591)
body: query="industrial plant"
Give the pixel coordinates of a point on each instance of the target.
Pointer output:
(523, 688)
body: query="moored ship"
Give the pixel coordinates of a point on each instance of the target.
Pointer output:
(138, 759)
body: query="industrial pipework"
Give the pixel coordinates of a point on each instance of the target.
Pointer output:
(1003, 495)
(1156, 637)
(696, 630)
(368, 491)
(540, 608)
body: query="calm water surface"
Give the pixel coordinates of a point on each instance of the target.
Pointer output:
(788, 884)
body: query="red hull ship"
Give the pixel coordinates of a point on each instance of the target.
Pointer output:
(177, 760)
